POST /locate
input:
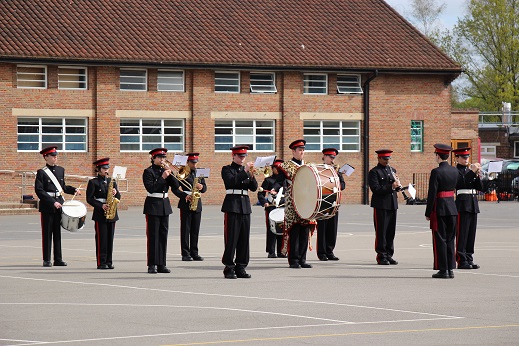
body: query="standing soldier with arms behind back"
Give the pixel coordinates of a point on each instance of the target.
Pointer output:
(327, 228)
(441, 212)
(238, 180)
(97, 195)
(384, 202)
(157, 180)
(467, 187)
(49, 187)
(190, 210)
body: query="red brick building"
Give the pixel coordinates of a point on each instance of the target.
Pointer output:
(119, 77)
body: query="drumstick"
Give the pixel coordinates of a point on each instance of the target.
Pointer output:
(75, 193)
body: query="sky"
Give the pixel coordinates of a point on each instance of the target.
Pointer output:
(455, 9)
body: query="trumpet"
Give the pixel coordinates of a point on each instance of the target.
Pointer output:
(476, 168)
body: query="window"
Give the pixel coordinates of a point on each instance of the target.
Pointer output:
(343, 135)
(315, 83)
(69, 134)
(227, 82)
(263, 83)
(133, 80)
(490, 150)
(348, 84)
(416, 136)
(147, 134)
(70, 77)
(257, 134)
(31, 76)
(168, 80)
(516, 149)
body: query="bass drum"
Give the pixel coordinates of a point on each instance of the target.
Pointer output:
(73, 215)
(316, 192)
(276, 218)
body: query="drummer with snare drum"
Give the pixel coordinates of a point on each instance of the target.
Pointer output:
(267, 198)
(49, 186)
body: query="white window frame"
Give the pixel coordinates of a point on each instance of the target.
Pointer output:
(323, 139)
(141, 129)
(216, 85)
(489, 150)
(63, 143)
(308, 81)
(263, 85)
(349, 87)
(85, 75)
(171, 79)
(237, 136)
(145, 84)
(20, 74)
(420, 136)
(516, 149)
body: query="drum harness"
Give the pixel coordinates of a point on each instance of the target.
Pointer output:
(54, 181)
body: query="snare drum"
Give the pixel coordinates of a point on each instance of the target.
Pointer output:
(276, 218)
(73, 215)
(316, 192)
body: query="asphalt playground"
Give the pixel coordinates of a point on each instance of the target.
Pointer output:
(349, 302)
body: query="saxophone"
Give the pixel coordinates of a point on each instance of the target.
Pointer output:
(195, 195)
(111, 201)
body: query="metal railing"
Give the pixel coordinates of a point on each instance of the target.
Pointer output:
(491, 119)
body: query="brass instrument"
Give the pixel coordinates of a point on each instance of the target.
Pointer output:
(179, 172)
(111, 201)
(266, 171)
(195, 195)
(476, 168)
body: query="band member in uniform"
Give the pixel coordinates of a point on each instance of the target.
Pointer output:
(327, 228)
(157, 180)
(190, 219)
(295, 229)
(467, 187)
(49, 186)
(238, 180)
(384, 202)
(441, 212)
(96, 195)
(267, 198)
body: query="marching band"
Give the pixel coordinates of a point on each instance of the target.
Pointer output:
(298, 198)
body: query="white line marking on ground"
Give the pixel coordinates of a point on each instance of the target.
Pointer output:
(475, 272)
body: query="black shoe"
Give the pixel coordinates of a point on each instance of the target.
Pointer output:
(197, 258)
(332, 257)
(152, 269)
(110, 266)
(102, 266)
(295, 266)
(442, 274)
(187, 258)
(322, 258)
(60, 264)
(280, 255)
(451, 274)
(474, 265)
(306, 265)
(392, 261)
(163, 269)
(272, 255)
(229, 273)
(242, 274)
(383, 262)
(464, 266)
(47, 264)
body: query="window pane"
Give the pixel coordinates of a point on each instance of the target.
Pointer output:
(341, 135)
(244, 132)
(227, 82)
(170, 81)
(152, 133)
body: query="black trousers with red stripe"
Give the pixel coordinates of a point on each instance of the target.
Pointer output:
(189, 232)
(327, 235)
(466, 237)
(385, 228)
(157, 235)
(51, 234)
(443, 243)
(274, 241)
(104, 237)
(236, 239)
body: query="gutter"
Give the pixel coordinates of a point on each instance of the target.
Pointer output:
(365, 194)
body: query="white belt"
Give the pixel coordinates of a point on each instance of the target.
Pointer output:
(54, 194)
(158, 194)
(466, 192)
(237, 192)
(102, 200)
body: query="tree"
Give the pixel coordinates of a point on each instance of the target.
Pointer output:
(425, 14)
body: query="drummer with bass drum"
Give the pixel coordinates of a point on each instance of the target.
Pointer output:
(49, 186)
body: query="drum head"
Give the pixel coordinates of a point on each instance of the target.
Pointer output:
(304, 191)
(277, 215)
(74, 208)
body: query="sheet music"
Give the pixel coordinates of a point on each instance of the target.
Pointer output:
(119, 172)
(495, 166)
(347, 169)
(412, 191)
(179, 160)
(203, 172)
(264, 161)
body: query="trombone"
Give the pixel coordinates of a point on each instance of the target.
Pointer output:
(179, 172)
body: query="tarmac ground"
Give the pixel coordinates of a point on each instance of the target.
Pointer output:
(353, 301)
